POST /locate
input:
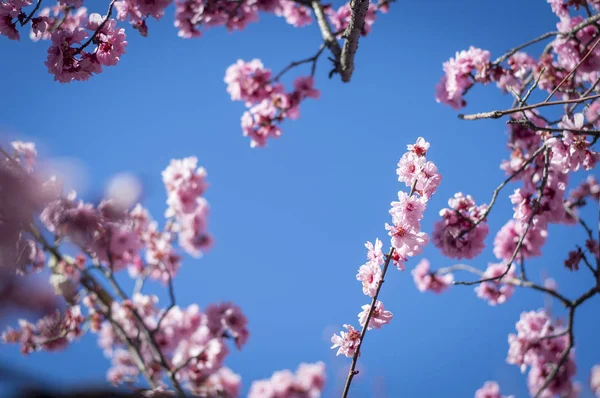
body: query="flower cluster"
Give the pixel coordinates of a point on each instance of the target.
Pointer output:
(192, 342)
(490, 389)
(407, 240)
(494, 291)
(463, 228)
(52, 332)
(307, 382)
(185, 184)
(427, 280)
(539, 344)
(268, 103)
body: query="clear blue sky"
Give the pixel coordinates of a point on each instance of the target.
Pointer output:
(290, 220)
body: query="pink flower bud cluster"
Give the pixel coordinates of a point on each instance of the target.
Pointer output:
(191, 15)
(538, 345)
(407, 240)
(185, 183)
(52, 332)
(307, 382)
(192, 342)
(80, 46)
(490, 389)
(495, 292)
(462, 231)
(427, 280)
(268, 103)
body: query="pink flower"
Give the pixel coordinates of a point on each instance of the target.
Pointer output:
(496, 292)
(295, 14)
(379, 317)
(427, 280)
(539, 344)
(595, 380)
(374, 253)
(469, 65)
(509, 235)
(408, 208)
(227, 317)
(406, 239)
(307, 382)
(346, 341)
(27, 151)
(304, 86)
(490, 389)
(370, 276)
(110, 40)
(455, 235)
(8, 28)
(249, 82)
(65, 62)
(420, 147)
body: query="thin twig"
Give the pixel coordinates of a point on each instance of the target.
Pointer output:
(573, 70)
(328, 37)
(294, 64)
(499, 188)
(572, 31)
(498, 114)
(97, 31)
(529, 124)
(527, 227)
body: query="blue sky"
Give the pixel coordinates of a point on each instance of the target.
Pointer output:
(290, 221)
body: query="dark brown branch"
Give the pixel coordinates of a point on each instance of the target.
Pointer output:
(32, 13)
(328, 37)
(97, 31)
(294, 64)
(358, 10)
(530, 125)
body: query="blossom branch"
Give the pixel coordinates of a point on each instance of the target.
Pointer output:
(573, 70)
(352, 372)
(97, 31)
(499, 188)
(575, 29)
(527, 227)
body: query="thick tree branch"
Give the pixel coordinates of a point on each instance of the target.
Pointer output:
(359, 10)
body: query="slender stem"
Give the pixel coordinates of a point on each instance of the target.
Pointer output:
(573, 70)
(97, 31)
(352, 372)
(32, 13)
(572, 31)
(499, 188)
(294, 64)
(527, 227)
(499, 114)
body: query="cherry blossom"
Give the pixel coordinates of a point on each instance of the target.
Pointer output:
(379, 317)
